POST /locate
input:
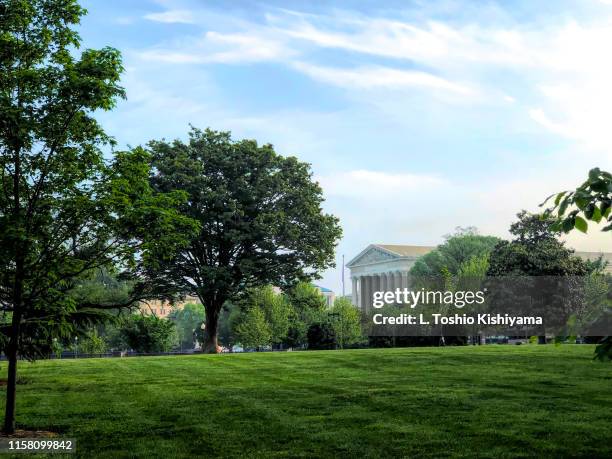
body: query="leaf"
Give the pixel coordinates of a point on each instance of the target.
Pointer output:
(568, 224)
(580, 224)
(594, 174)
(606, 207)
(563, 206)
(559, 196)
(599, 186)
(596, 217)
(581, 203)
(546, 200)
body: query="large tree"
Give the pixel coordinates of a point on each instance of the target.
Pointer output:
(260, 217)
(64, 210)
(537, 270)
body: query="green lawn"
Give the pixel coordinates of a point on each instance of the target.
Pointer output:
(490, 401)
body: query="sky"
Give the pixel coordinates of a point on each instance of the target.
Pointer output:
(417, 116)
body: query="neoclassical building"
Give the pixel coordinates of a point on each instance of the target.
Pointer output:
(384, 267)
(381, 267)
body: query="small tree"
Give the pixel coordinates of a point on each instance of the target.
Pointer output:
(252, 329)
(307, 306)
(65, 210)
(148, 334)
(321, 335)
(458, 249)
(260, 216)
(276, 309)
(93, 343)
(346, 321)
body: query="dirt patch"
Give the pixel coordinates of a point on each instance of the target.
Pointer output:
(3, 382)
(19, 433)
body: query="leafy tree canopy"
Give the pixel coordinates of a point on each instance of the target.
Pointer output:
(458, 249)
(260, 218)
(346, 320)
(148, 333)
(534, 251)
(65, 210)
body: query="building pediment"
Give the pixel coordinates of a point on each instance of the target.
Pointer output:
(372, 254)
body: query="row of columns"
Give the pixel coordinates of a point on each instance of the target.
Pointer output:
(365, 286)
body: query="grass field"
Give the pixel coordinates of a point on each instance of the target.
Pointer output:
(490, 401)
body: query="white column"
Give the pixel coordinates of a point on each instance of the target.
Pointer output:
(404, 279)
(354, 291)
(398, 280)
(366, 282)
(383, 282)
(371, 290)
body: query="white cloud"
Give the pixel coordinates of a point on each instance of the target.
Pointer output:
(379, 77)
(172, 17)
(124, 20)
(215, 47)
(372, 185)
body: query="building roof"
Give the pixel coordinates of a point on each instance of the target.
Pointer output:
(406, 250)
(419, 250)
(393, 250)
(323, 289)
(607, 257)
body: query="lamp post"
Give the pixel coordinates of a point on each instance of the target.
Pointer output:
(76, 346)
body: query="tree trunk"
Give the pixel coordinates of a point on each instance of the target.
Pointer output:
(210, 345)
(11, 385)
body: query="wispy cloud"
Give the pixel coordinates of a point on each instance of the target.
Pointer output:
(216, 47)
(372, 184)
(172, 17)
(379, 77)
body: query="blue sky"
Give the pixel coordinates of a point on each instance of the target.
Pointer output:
(417, 117)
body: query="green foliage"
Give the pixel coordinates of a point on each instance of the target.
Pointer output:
(346, 320)
(260, 215)
(252, 329)
(64, 209)
(534, 251)
(308, 307)
(539, 267)
(591, 201)
(148, 334)
(603, 351)
(458, 249)
(276, 312)
(92, 343)
(322, 335)
(186, 321)
(227, 322)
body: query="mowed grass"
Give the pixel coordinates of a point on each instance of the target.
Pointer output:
(489, 401)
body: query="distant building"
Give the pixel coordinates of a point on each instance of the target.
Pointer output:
(163, 308)
(329, 295)
(385, 267)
